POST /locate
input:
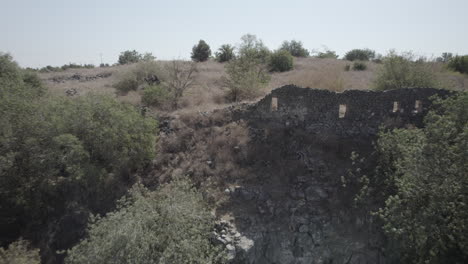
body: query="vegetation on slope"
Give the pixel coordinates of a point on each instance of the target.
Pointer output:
(418, 189)
(170, 225)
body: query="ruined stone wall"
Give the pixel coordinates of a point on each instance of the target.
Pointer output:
(291, 206)
(362, 111)
(276, 167)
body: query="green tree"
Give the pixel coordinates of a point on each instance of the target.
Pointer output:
(129, 56)
(359, 66)
(59, 156)
(295, 48)
(148, 56)
(459, 64)
(418, 189)
(137, 77)
(225, 53)
(401, 71)
(201, 52)
(360, 54)
(253, 48)
(155, 95)
(170, 225)
(327, 54)
(281, 61)
(445, 57)
(246, 76)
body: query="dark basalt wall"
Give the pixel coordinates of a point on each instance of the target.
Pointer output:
(365, 110)
(290, 206)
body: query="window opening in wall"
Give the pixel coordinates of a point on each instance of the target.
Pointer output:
(396, 107)
(274, 104)
(342, 111)
(418, 106)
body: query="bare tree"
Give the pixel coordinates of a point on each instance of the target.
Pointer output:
(180, 76)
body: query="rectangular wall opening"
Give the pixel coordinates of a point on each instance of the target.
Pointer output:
(418, 106)
(274, 104)
(342, 111)
(396, 107)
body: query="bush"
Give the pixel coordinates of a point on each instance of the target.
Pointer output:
(328, 54)
(225, 53)
(71, 144)
(201, 52)
(281, 61)
(137, 77)
(20, 252)
(79, 154)
(170, 225)
(459, 64)
(347, 67)
(77, 66)
(253, 48)
(155, 95)
(359, 66)
(129, 56)
(246, 77)
(295, 48)
(360, 54)
(148, 56)
(445, 57)
(422, 181)
(400, 71)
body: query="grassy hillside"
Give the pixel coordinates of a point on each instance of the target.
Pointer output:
(208, 91)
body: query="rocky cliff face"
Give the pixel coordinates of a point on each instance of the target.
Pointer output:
(274, 170)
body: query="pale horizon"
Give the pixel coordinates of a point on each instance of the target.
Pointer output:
(53, 32)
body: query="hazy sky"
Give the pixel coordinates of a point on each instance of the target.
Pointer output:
(55, 32)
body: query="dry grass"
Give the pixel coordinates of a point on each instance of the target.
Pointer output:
(326, 74)
(207, 93)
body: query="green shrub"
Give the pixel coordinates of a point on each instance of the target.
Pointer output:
(281, 61)
(77, 66)
(295, 48)
(400, 71)
(170, 225)
(155, 95)
(78, 154)
(148, 56)
(134, 78)
(225, 53)
(326, 54)
(359, 66)
(247, 74)
(347, 67)
(245, 78)
(459, 64)
(63, 145)
(360, 54)
(129, 56)
(253, 48)
(425, 203)
(20, 252)
(201, 52)
(445, 57)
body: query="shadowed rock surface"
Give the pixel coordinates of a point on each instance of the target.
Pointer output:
(277, 167)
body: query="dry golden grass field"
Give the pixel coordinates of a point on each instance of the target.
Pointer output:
(208, 92)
